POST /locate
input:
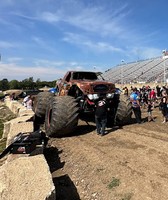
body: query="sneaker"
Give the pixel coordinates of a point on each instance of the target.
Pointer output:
(105, 132)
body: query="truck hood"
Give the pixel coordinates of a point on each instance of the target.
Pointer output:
(92, 87)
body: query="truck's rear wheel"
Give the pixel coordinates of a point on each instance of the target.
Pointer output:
(124, 110)
(61, 116)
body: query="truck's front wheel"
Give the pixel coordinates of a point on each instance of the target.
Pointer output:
(61, 116)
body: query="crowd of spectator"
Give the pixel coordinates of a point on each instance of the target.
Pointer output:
(27, 101)
(149, 98)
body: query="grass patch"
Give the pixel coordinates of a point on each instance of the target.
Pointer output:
(2, 141)
(114, 183)
(1, 128)
(1, 94)
(2, 144)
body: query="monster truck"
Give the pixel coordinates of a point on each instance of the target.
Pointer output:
(78, 92)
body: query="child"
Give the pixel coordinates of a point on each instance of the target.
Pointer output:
(149, 110)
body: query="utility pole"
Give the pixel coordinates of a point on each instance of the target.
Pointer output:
(122, 81)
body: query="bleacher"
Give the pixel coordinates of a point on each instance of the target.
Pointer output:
(150, 70)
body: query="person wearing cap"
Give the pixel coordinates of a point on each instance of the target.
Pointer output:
(101, 116)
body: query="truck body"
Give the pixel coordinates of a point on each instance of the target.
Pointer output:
(78, 92)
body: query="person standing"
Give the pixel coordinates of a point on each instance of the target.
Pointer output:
(101, 116)
(152, 96)
(135, 100)
(125, 91)
(149, 110)
(29, 103)
(164, 109)
(25, 100)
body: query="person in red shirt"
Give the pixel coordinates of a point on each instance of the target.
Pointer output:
(152, 96)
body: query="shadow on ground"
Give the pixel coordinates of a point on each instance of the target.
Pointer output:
(83, 129)
(64, 186)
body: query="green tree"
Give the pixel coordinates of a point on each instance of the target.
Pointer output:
(38, 83)
(28, 83)
(14, 84)
(4, 84)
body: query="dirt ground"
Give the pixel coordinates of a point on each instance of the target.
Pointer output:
(129, 163)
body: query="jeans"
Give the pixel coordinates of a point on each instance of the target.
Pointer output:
(100, 124)
(137, 113)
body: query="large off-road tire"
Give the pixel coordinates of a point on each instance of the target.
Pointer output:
(124, 110)
(61, 116)
(41, 102)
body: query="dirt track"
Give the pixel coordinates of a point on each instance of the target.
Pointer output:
(129, 163)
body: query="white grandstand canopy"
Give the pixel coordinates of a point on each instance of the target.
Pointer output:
(143, 71)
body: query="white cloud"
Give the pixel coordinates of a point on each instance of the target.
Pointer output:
(94, 19)
(43, 43)
(43, 62)
(14, 59)
(50, 17)
(95, 26)
(146, 52)
(6, 45)
(96, 46)
(43, 69)
(12, 71)
(38, 40)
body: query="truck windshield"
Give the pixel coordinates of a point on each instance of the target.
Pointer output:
(84, 75)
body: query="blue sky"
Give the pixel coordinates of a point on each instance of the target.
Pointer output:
(45, 38)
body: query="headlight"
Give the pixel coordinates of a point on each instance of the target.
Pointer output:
(93, 96)
(90, 96)
(110, 95)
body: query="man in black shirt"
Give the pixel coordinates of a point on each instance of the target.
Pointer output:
(101, 116)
